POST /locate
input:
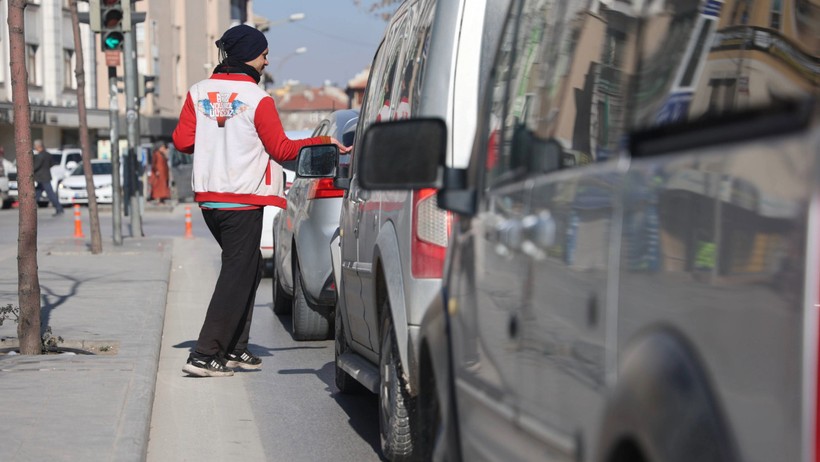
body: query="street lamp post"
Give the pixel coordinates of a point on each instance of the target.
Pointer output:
(298, 51)
(292, 18)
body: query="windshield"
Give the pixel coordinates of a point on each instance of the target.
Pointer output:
(97, 168)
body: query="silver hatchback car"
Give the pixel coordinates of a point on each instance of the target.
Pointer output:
(302, 274)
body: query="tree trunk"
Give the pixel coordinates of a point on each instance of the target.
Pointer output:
(94, 217)
(28, 282)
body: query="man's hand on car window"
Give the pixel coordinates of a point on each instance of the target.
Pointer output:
(342, 148)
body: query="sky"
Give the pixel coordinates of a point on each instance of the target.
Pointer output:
(340, 38)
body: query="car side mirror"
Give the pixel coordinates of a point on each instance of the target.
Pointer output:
(318, 161)
(70, 166)
(404, 154)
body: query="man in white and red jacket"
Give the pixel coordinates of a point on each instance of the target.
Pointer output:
(232, 128)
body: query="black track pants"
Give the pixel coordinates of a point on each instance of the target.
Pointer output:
(228, 321)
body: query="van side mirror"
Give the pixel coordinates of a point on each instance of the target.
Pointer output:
(404, 154)
(342, 179)
(318, 161)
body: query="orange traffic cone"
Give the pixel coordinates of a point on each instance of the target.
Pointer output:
(78, 223)
(188, 231)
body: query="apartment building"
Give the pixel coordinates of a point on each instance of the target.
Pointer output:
(175, 46)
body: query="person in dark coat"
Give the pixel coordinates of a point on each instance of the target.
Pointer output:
(42, 176)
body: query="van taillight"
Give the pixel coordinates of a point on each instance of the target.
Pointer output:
(431, 232)
(324, 189)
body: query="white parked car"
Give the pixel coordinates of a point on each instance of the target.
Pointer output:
(6, 167)
(63, 162)
(266, 244)
(72, 189)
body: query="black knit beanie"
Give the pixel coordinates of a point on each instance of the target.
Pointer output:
(242, 43)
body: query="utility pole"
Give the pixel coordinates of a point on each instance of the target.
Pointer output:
(114, 135)
(132, 119)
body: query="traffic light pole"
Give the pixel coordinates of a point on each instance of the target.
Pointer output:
(132, 119)
(113, 106)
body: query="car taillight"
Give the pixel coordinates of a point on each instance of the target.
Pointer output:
(324, 189)
(431, 232)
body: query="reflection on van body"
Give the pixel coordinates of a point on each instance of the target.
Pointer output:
(678, 220)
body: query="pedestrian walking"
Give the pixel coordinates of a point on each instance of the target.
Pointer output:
(42, 177)
(159, 174)
(232, 127)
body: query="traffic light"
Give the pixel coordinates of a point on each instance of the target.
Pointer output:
(142, 85)
(114, 20)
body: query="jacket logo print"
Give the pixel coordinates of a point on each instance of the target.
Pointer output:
(221, 107)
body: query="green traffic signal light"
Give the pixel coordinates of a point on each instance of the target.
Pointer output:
(113, 41)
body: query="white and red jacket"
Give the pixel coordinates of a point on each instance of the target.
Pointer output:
(232, 128)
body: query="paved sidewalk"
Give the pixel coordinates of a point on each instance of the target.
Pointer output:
(86, 407)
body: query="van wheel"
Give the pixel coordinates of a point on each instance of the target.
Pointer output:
(344, 382)
(281, 302)
(396, 406)
(309, 322)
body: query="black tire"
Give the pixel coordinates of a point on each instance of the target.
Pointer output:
(267, 267)
(397, 428)
(310, 322)
(344, 382)
(282, 304)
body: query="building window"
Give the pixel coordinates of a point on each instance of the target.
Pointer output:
(31, 64)
(68, 66)
(777, 10)
(3, 59)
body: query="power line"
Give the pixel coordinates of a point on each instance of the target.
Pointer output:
(337, 37)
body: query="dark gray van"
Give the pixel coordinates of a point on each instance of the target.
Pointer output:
(633, 274)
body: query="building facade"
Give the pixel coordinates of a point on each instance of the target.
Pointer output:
(175, 47)
(50, 62)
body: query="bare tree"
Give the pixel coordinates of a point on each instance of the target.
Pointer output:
(28, 282)
(79, 72)
(381, 8)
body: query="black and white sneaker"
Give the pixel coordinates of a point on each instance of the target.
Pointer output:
(244, 359)
(206, 367)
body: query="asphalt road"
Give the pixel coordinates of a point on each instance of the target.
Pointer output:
(289, 410)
